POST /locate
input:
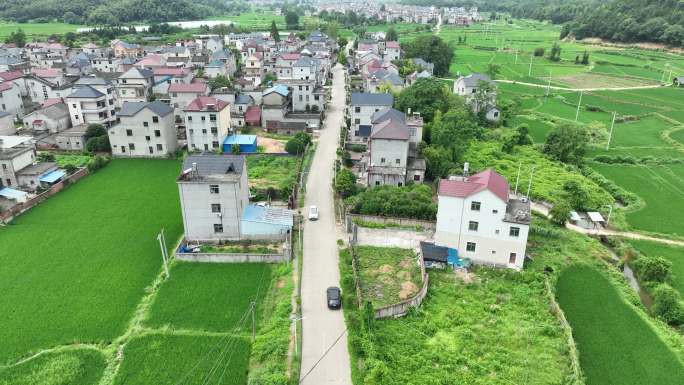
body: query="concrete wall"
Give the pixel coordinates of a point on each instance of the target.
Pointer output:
(390, 151)
(231, 258)
(426, 225)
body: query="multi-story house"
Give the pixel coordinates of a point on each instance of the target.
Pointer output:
(41, 90)
(363, 106)
(123, 49)
(276, 102)
(306, 95)
(51, 117)
(207, 123)
(227, 58)
(392, 51)
(105, 64)
(389, 150)
(214, 193)
(181, 95)
(165, 76)
(10, 99)
(239, 108)
(145, 129)
(16, 153)
(16, 77)
(284, 63)
(254, 68)
(479, 220)
(88, 105)
(134, 85)
(469, 88)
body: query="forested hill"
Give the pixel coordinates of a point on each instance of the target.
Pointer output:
(658, 21)
(112, 11)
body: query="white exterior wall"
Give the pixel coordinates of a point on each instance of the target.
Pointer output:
(363, 117)
(198, 219)
(180, 100)
(461, 89)
(9, 167)
(198, 131)
(390, 151)
(142, 147)
(392, 54)
(87, 111)
(454, 216)
(106, 64)
(39, 92)
(49, 124)
(7, 125)
(10, 102)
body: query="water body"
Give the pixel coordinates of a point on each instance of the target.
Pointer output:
(181, 24)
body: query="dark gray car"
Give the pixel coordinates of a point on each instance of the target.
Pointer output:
(334, 297)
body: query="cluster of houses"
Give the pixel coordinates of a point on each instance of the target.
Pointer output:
(152, 100)
(394, 12)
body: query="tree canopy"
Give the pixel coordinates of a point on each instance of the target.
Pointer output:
(432, 49)
(567, 143)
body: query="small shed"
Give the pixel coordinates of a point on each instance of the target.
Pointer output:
(247, 143)
(260, 222)
(596, 218)
(679, 81)
(12, 194)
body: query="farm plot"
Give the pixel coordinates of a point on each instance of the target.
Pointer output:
(76, 266)
(539, 129)
(273, 172)
(74, 367)
(660, 186)
(616, 344)
(208, 296)
(388, 274)
(187, 359)
(645, 132)
(673, 254)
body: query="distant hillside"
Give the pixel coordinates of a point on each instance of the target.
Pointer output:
(113, 11)
(658, 21)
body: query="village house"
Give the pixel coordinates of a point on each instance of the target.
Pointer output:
(17, 78)
(470, 87)
(227, 58)
(53, 116)
(478, 219)
(207, 123)
(276, 103)
(72, 139)
(106, 64)
(39, 175)
(123, 49)
(392, 51)
(307, 96)
(214, 192)
(134, 85)
(165, 76)
(182, 94)
(7, 124)
(253, 69)
(10, 100)
(238, 110)
(87, 105)
(363, 106)
(16, 153)
(145, 129)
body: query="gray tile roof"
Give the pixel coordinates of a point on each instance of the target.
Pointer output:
(390, 129)
(244, 99)
(388, 113)
(474, 79)
(368, 99)
(92, 81)
(214, 164)
(86, 92)
(132, 108)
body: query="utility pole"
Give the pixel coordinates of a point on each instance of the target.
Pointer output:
(517, 179)
(548, 87)
(578, 105)
(253, 320)
(669, 77)
(610, 212)
(516, 56)
(529, 185)
(529, 73)
(610, 133)
(162, 246)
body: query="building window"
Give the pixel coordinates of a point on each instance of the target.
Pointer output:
(357, 110)
(151, 149)
(475, 206)
(215, 208)
(377, 183)
(495, 211)
(470, 246)
(514, 232)
(204, 118)
(472, 226)
(155, 119)
(218, 228)
(416, 178)
(357, 121)
(212, 117)
(157, 133)
(382, 160)
(213, 189)
(397, 161)
(214, 130)
(131, 146)
(215, 144)
(160, 147)
(147, 138)
(204, 131)
(129, 132)
(511, 258)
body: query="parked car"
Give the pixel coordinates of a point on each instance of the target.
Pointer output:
(334, 297)
(313, 213)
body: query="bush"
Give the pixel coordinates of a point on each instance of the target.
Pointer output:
(560, 213)
(357, 147)
(414, 201)
(345, 183)
(667, 305)
(653, 269)
(539, 52)
(70, 168)
(297, 145)
(97, 163)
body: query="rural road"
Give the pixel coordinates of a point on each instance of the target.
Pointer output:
(325, 358)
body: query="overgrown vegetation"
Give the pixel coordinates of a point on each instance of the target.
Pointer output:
(413, 201)
(271, 176)
(387, 275)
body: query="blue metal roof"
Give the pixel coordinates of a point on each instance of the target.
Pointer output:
(53, 176)
(11, 193)
(240, 139)
(281, 89)
(269, 215)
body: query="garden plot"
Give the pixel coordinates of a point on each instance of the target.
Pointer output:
(387, 275)
(600, 318)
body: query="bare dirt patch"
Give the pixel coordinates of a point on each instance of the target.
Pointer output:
(385, 269)
(271, 146)
(408, 289)
(591, 80)
(466, 276)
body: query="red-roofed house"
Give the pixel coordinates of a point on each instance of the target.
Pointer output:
(477, 217)
(182, 94)
(253, 116)
(151, 61)
(16, 77)
(392, 51)
(207, 123)
(165, 76)
(10, 100)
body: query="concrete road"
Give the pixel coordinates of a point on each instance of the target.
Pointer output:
(323, 327)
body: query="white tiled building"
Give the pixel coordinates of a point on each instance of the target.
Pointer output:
(207, 123)
(146, 129)
(477, 217)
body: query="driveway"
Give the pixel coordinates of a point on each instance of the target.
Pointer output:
(325, 358)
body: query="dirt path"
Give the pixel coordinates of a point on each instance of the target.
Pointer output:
(581, 89)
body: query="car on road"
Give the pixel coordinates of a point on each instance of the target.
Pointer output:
(313, 213)
(334, 297)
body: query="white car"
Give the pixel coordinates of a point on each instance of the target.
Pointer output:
(313, 213)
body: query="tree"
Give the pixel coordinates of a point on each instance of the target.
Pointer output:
(341, 58)
(567, 143)
(70, 39)
(493, 70)
(391, 34)
(292, 19)
(539, 52)
(667, 305)
(219, 81)
(653, 269)
(560, 213)
(17, 38)
(331, 29)
(274, 31)
(298, 143)
(555, 53)
(585, 58)
(433, 49)
(345, 183)
(576, 195)
(426, 96)
(342, 42)
(95, 130)
(235, 149)
(269, 78)
(438, 161)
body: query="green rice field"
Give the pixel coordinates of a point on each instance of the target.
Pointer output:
(76, 266)
(616, 345)
(37, 30)
(81, 366)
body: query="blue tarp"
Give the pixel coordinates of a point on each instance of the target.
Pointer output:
(53, 176)
(452, 257)
(11, 193)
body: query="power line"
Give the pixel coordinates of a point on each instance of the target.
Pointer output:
(323, 356)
